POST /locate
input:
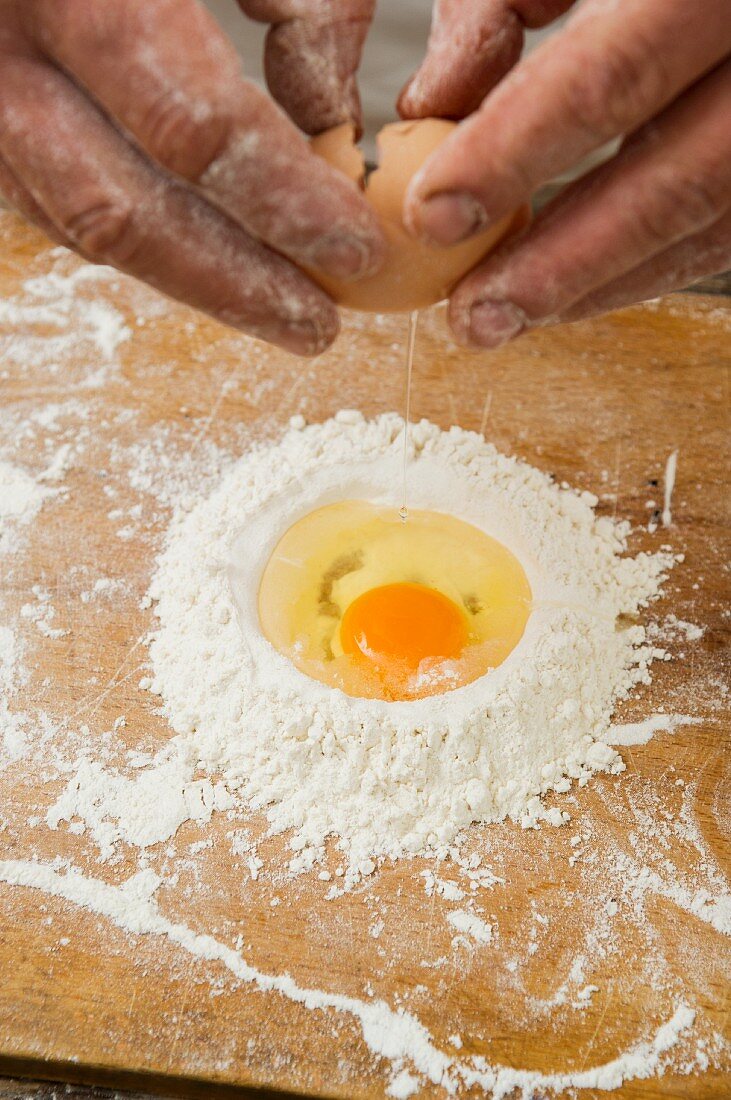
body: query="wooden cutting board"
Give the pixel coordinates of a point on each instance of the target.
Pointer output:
(600, 405)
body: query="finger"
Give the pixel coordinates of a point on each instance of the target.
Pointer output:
(609, 70)
(312, 54)
(113, 206)
(670, 181)
(704, 254)
(196, 117)
(472, 45)
(20, 198)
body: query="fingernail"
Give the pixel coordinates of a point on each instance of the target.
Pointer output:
(494, 323)
(345, 257)
(450, 217)
(308, 337)
(404, 97)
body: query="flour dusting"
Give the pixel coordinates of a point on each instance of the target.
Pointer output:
(395, 1035)
(54, 318)
(639, 733)
(20, 495)
(180, 852)
(395, 779)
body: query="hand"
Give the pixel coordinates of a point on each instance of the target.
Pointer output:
(128, 134)
(311, 57)
(651, 219)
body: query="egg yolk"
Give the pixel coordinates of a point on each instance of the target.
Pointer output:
(382, 609)
(404, 622)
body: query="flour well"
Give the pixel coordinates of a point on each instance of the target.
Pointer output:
(394, 779)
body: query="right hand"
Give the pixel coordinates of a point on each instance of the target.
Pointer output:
(128, 134)
(649, 219)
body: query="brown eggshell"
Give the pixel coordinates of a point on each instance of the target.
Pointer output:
(415, 274)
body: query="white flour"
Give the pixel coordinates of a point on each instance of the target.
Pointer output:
(396, 779)
(395, 1035)
(20, 500)
(470, 925)
(12, 731)
(639, 733)
(147, 804)
(54, 321)
(92, 816)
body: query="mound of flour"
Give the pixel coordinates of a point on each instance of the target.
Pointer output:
(393, 779)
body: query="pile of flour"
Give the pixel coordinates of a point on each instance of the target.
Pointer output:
(395, 779)
(106, 844)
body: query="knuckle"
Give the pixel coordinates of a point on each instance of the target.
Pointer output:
(679, 205)
(184, 138)
(104, 230)
(609, 94)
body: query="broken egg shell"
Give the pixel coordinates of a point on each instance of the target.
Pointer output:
(414, 274)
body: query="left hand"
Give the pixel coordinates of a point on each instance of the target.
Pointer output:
(129, 134)
(650, 220)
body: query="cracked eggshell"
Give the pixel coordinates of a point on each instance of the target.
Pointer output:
(415, 274)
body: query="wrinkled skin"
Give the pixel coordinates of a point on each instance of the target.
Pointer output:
(128, 133)
(656, 216)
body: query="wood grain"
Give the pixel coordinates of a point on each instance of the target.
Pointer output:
(600, 405)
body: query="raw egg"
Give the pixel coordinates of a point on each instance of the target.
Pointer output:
(414, 274)
(379, 608)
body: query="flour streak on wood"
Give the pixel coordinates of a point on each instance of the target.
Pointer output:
(598, 930)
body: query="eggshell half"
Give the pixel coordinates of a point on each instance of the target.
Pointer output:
(415, 274)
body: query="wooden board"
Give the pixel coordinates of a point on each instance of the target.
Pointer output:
(600, 405)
